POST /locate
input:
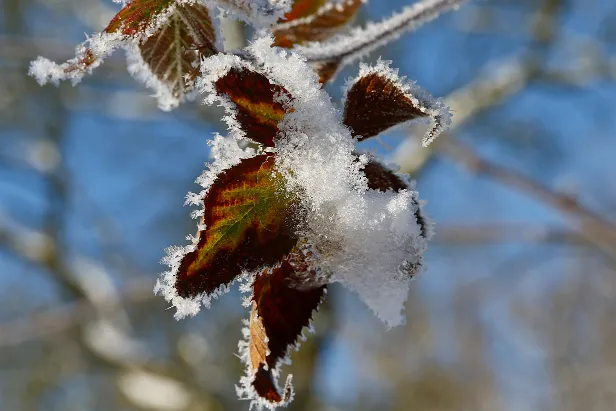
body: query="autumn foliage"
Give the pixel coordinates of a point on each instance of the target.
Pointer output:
(262, 215)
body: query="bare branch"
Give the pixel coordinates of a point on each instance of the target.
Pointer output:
(593, 227)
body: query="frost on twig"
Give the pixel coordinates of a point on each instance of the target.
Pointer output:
(346, 48)
(164, 41)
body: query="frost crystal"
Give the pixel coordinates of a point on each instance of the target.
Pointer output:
(365, 239)
(361, 41)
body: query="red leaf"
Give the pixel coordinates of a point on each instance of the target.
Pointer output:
(281, 308)
(325, 22)
(375, 103)
(248, 221)
(303, 8)
(254, 96)
(167, 54)
(137, 15)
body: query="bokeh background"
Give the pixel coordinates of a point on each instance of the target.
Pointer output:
(517, 307)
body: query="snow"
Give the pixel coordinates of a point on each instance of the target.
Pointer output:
(365, 239)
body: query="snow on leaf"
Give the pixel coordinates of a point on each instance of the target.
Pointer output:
(247, 218)
(322, 24)
(257, 106)
(378, 99)
(136, 16)
(170, 52)
(327, 70)
(382, 178)
(280, 310)
(303, 8)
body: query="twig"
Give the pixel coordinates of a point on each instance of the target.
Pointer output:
(593, 227)
(347, 48)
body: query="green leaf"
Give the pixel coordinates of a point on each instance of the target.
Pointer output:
(249, 225)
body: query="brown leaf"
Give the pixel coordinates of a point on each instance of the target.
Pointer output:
(280, 310)
(327, 71)
(375, 103)
(173, 53)
(249, 224)
(258, 112)
(325, 22)
(137, 15)
(303, 8)
(381, 178)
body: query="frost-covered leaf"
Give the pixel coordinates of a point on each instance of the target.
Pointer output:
(327, 71)
(258, 106)
(359, 42)
(382, 178)
(281, 308)
(303, 8)
(247, 219)
(137, 16)
(318, 26)
(378, 99)
(173, 52)
(164, 41)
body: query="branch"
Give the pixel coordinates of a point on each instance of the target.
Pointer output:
(593, 227)
(71, 315)
(494, 84)
(467, 235)
(347, 48)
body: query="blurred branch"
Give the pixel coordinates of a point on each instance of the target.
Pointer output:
(504, 232)
(60, 319)
(593, 227)
(494, 84)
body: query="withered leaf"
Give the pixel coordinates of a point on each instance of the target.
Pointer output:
(375, 103)
(248, 220)
(327, 70)
(137, 15)
(280, 311)
(173, 52)
(303, 8)
(381, 178)
(258, 112)
(320, 25)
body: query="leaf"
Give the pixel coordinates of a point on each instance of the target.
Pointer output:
(375, 103)
(137, 16)
(248, 220)
(167, 52)
(258, 112)
(327, 70)
(303, 8)
(321, 25)
(280, 310)
(382, 178)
